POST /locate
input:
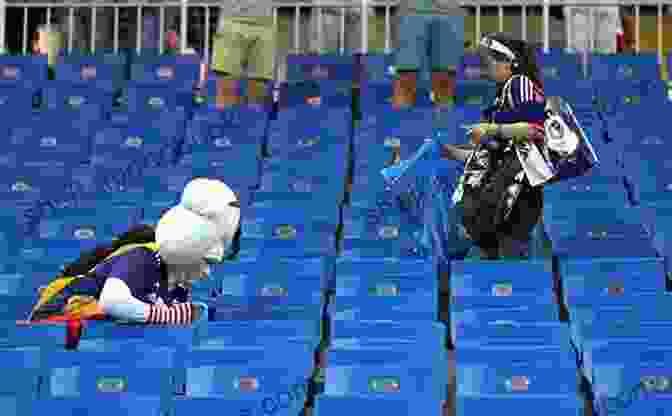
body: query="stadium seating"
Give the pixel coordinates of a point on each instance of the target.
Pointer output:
(332, 256)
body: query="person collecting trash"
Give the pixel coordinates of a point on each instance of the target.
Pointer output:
(500, 190)
(146, 274)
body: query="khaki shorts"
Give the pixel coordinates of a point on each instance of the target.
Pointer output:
(245, 41)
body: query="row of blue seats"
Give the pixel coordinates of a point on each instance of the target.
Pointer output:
(108, 65)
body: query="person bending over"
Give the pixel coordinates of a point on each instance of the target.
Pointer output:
(145, 275)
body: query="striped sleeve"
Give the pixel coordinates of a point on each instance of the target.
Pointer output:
(523, 91)
(177, 314)
(526, 100)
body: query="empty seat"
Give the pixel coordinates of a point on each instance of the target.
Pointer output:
(590, 278)
(320, 67)
(296, 227)
(516, 380)
(502, 278)
(376, 295)
(399, 379)
(281, 289)
(93, 378)
(246, 379)
(20, 388)
(373, 232)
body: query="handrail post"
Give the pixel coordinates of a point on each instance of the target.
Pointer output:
(183, 27)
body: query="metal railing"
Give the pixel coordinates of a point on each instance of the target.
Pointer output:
(297, 7)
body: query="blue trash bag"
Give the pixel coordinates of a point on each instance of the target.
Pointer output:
(424, 185)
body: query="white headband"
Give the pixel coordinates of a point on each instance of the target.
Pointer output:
(497, 46)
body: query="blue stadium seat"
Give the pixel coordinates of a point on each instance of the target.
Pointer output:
(399, 379)
(130, 406)
(558, 65)
(94, 378)
(15, 101)
(373, 232)
(337, 94)
(22, 367)
(320, 67)
(377, 68)
(29, 72)
(511, 333)
(580, 94)
(358, 266)
(629, 375)
(647, 168)
(479, 93)
(104, 70)
(449, 122)
(36, 260)
(386, 126)
(105, 220)
(323, 129)
(471, 68)
(516, 380)
(638, 309)
(43, 145)
(641, 67)
(64, 95)
(372, 334)
(478, 309)
(151, 98)
(281, 289)
(296, 227)
(16, 302)
(175, 71)
(226, 146)
(634, 347)
(502, 278)
(280, 175)
(220, 334)
(297, 93)
(590, 277)
(244, 379)
(114, 336)
(114, 148)
(630, 99)
(551, 405)
(375, 295)
(376, 95)
(595, 232)
(24, 186)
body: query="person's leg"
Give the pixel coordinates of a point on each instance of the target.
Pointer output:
(447, 49)
(607, 27)
(579, 28)
(514, 240)
(261, 61)
(412, 49)
(510, 248)
(227, 62)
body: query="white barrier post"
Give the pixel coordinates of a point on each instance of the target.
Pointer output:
(636, 28)
(3, 24)
(365, 27)
(297, 21)
(138, 33)
(115, 30)
(546, 24)
(659, 32)
(183, 27)
(388, 47)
